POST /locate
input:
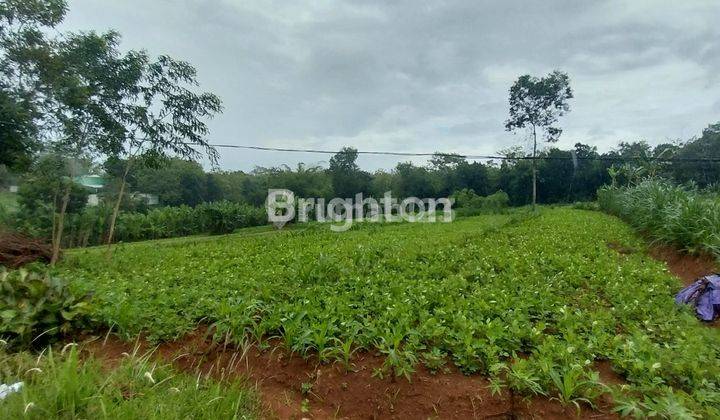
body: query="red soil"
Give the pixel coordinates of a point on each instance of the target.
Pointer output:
(685, 266)
(331, 392)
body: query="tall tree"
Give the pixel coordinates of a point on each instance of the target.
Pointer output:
(162, 115)
(703, 173)
(24, 52)
(347, 178)
(64, 87)
(535, 105)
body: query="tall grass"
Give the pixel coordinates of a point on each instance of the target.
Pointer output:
(671, 214)
(61, 384)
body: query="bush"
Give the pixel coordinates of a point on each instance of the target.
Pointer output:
(225, 216)
(676, 215)
(90, 226)
(36, 304)
(467, 203)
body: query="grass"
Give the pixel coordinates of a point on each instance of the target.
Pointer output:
(476, 293)
(59, 384)
(670, 214)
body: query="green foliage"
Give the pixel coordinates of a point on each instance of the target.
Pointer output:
(37, 307)
(467, 203)
(704, 174)
(347, 178)
(59, 384)
(168, 222)
(176, 183)
(226, 217)
(90, 226)
(684, 217)
(537, 103)
(8, 208)
(478, 293)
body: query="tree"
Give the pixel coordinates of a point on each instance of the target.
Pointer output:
(47, 193)
(177, 182)
(161, 116)
(87, 97)
(474, 176)
(347, 178)
(535, 105)
(17, 133)
(24, 53)
(444, 170)
(414, 181)
(61, 90)
(445, 161)
(690, 166)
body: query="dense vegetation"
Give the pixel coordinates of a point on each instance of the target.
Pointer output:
(684, 217)
(184, 185)
(477, 293)
(36, 307)
(89, 226)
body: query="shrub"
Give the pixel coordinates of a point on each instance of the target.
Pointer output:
(225, 216)
(467, 203)
(36, 304)
(89, 227)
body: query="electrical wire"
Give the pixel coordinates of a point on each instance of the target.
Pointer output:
(466, 156)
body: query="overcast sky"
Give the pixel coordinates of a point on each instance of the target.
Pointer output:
(424, 76)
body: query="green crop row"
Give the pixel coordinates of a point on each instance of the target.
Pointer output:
(532, 301)
(668, 213)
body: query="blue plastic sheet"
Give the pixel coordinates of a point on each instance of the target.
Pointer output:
(705, 295)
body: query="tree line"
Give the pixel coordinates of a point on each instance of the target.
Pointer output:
(564, 176)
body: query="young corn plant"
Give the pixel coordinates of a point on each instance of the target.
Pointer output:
(574, 386)
(344, 351)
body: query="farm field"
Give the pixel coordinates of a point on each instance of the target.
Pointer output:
(534, 303)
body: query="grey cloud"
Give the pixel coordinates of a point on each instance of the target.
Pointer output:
(431, 75)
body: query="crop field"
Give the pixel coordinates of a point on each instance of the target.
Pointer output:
(533, 302)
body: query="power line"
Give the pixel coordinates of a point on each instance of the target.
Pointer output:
(466, 156)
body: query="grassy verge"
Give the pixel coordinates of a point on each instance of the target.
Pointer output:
(58, 384)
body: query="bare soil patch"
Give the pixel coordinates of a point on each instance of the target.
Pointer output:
(683, 265)
(295, 388)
